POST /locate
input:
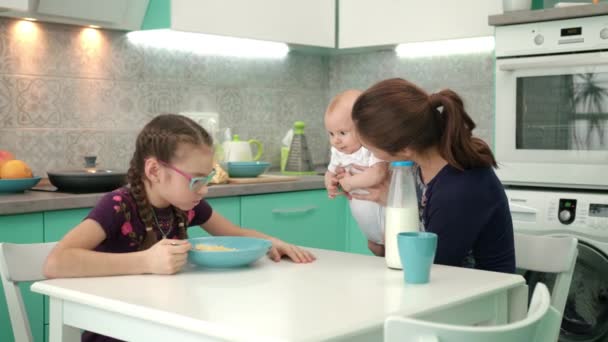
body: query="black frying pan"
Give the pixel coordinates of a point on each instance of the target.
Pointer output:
(84, 181)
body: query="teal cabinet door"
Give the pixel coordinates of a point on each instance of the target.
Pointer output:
(305, 218)
(56, 225)
(229, 207)
(26, 228)
(356, 242)
(60, 222)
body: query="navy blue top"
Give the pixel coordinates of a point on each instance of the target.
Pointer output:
(469, 212)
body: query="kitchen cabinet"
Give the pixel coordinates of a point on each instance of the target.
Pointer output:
(25, 228)
(110, 14)
(15, 5)
(356, 242)
(56, 224)
(229, 207)
(303, 22)
(305, 218)
(365, 23)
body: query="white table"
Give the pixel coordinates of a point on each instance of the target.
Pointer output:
(339, 297)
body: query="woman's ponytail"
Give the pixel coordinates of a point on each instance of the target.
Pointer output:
(457, 144)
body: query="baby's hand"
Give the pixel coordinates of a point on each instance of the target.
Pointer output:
(331, 184)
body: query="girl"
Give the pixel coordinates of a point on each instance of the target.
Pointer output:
(141, 228)
(461, 199)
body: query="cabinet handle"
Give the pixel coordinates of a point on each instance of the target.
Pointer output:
(294, 211)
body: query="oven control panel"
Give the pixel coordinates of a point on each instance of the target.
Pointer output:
(545, 37)
(585, 213)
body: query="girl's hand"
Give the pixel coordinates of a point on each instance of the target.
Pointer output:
(280, 248)
(167, 256)
(376, 248)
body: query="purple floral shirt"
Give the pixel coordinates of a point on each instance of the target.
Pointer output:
(116, 212)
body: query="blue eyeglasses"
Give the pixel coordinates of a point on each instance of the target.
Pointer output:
(196, 183)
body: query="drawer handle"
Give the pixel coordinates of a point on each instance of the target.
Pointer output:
(294, 211)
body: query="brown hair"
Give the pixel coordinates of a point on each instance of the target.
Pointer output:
(160, 138)
(395, 114)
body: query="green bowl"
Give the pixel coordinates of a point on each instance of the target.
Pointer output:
(246, 169)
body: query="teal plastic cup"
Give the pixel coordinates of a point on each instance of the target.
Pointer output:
(417, 253)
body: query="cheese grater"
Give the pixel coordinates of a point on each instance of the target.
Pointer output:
(299, 161)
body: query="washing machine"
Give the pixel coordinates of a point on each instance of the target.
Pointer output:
(583, 215)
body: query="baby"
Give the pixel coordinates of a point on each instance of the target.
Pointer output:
(346, 152)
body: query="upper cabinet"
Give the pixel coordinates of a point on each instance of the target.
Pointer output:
(319, 23)
(13, 5)
(301, 22)
(111, 14)
(387, 22)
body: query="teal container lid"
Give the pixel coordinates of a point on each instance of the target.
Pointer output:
(402, 163)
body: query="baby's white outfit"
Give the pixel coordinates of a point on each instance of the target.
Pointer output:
(369, 215)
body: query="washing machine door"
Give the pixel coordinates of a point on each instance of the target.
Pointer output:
(586, 313)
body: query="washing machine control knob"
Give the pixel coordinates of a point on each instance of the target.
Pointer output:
(564, 215)
(566, 211)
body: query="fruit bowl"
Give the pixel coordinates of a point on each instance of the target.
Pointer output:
(17, 184)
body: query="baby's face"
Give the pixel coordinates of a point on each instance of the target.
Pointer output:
(341, 130)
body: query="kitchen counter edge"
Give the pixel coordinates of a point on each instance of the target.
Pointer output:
(525, 16)
(37, 201)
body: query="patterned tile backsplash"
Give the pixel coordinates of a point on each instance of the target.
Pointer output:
(68, 91)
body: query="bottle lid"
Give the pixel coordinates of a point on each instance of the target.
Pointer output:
(298, 127)
(402, 163)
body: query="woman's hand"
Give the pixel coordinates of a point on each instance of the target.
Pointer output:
(345, 182)
(167, 256)
(280, 248)
(377, 193)
(376, 248)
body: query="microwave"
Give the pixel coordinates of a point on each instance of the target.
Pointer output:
(552, 103)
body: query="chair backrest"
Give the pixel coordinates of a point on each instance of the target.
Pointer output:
(21, 262)
(540, 325)
(549, 254)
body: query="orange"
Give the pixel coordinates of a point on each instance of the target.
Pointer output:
(15, 169)
(5, 156)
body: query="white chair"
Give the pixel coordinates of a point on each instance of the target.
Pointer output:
(540, 325)
(549, 254)
(21, 262)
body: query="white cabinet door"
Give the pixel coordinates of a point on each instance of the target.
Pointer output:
(110, 11)
(305, 22)
(111, 14)
(386, 22)
(14, 5)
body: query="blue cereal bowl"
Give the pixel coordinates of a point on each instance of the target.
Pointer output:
(227, 251)
(246, 169)
(17, 184)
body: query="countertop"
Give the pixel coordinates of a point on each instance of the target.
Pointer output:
(34, 201)
(521, 17)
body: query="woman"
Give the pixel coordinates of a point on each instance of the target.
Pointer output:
(461, 199)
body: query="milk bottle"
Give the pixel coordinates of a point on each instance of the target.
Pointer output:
(401, 210)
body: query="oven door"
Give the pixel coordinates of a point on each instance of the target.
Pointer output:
(552, 120)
